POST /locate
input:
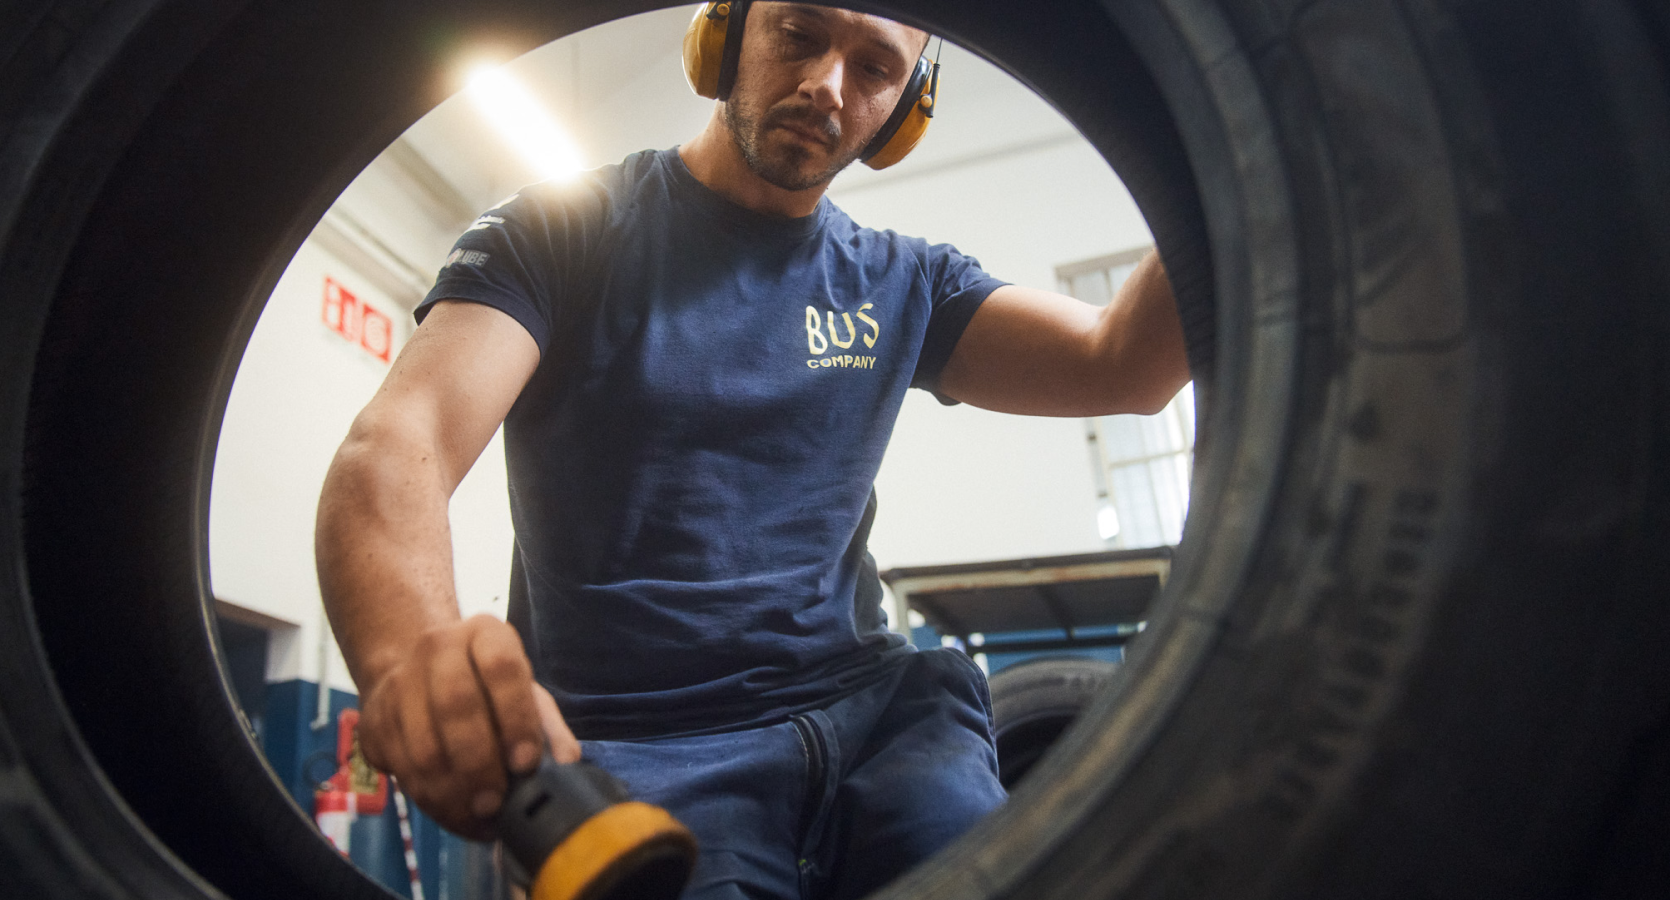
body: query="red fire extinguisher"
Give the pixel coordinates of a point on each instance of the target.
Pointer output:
(355, 790)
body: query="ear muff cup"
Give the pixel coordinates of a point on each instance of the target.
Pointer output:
(909, 121)
(713, 43)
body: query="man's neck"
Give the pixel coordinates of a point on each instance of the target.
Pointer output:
(716, 161)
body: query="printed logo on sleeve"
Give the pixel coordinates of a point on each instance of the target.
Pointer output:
(462, 257)
(842, 334)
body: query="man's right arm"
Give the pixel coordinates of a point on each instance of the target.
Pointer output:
(447, 704)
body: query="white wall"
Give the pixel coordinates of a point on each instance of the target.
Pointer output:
(961, 484)
(300, 385)
(298, 389)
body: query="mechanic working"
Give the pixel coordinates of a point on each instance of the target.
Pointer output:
(698, 361)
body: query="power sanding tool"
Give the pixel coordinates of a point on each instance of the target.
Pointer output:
(578, 836)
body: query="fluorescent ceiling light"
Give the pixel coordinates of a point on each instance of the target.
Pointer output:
(524, 123)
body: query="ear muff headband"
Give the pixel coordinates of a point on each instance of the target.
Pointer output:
(733, 46)
(713, 43)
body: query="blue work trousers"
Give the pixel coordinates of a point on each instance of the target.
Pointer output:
(835, 802)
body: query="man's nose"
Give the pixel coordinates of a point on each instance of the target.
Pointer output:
(824, 81)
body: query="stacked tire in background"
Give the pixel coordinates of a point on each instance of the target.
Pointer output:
(1034, 702)
(1411, 642)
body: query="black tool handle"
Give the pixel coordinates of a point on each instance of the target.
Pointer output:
(544, 806)
(576, 835)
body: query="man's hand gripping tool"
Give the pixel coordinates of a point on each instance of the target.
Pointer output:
(579, 836)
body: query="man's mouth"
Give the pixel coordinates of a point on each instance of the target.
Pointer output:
(811, 133)
(806, 135)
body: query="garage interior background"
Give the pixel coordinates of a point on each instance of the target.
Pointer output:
(1001, 175)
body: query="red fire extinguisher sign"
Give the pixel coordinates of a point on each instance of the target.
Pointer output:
(356, 321)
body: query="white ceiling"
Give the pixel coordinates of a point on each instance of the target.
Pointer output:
(619, 88)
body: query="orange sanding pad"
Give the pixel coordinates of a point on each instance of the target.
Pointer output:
(606, 847)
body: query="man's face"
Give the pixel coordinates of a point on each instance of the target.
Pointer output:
(813, 86)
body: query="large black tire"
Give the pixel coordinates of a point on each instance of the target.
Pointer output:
(1410, 642)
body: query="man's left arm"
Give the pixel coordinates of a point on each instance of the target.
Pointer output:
(1044, 354)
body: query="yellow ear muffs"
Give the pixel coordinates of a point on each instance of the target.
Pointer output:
(711, 46)
(909, 122)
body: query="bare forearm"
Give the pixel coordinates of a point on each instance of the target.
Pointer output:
(384, 551)
(448, 705)
(1040, 353)
(1140, 355)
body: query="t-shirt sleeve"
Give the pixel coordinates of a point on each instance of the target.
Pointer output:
(523, 257)
(958, 287)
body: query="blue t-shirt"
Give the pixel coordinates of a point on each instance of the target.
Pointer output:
(691, 465)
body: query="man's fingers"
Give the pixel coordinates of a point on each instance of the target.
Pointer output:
(460, 711)
(382, 736)
(379, 735)
(416, 733)
(464, 724)
(501, 667)
(564, 748)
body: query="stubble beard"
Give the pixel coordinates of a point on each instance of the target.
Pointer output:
(783, 166)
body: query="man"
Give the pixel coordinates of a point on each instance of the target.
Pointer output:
(698, 362)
